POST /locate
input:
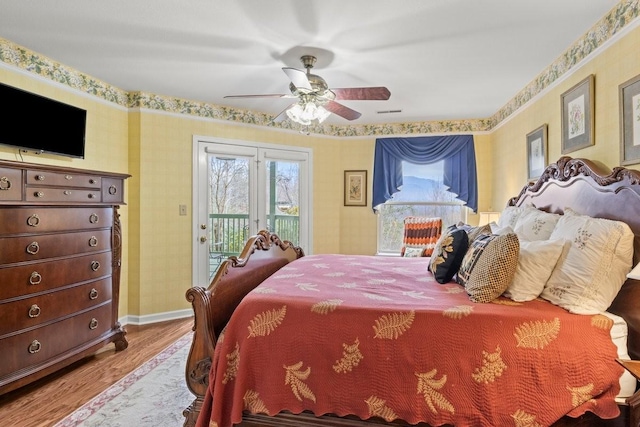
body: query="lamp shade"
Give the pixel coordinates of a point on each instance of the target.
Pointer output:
(488, 217)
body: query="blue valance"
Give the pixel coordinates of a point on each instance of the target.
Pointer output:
(458, 154)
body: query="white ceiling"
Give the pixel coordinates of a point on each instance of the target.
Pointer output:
(441, 59)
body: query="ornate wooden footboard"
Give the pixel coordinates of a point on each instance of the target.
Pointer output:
(214, 305)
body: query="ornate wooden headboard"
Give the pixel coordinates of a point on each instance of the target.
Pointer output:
(591, 189)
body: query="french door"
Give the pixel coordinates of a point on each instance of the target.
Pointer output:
(241, 188)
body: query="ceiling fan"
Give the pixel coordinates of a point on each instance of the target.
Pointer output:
(316, 101)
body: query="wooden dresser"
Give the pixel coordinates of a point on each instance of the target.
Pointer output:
(60, 252)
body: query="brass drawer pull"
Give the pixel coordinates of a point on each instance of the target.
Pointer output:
(33, 220)
(93, 294)
(5, 184)
(38, 194)
(34, 311)
(95, 265)
(113, 190)
(35, 278)
(93, 218)
(33, 248)
(91, 196)
(68, 177)
(93, 324)
(93, 241)
(35, 347)
(39, 177)
(67, 192)
(92, 181)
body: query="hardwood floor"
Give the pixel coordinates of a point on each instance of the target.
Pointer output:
(47, 401)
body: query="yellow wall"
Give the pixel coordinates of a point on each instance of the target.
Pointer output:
(612, 67)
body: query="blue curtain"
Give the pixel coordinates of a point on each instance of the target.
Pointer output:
(458, 154)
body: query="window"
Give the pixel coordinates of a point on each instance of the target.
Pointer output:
(422, 194)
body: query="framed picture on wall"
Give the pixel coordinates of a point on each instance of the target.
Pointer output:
(629, 94)
(355, 188)
(578, 116)
(537, 152)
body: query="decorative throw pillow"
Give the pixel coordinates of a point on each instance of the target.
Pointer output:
(509, 216)
(593, 266)
(448, 253)
(489, 265)
(534, 224)
(535, 264)
(474, 232)
(410, 252)
(421, 232)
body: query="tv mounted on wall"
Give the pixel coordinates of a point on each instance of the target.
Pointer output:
(36, 123)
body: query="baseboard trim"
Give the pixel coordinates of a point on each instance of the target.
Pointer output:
(155, 318)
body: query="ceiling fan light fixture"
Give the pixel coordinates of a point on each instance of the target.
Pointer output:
(307, 113)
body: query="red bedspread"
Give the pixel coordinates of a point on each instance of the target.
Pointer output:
(378, 337)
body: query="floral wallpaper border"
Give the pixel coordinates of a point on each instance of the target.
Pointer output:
(620, 16)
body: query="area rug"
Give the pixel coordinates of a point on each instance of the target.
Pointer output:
(153, 395)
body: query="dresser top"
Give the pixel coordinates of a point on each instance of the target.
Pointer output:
(60, 169)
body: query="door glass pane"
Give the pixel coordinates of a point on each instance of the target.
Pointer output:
(283, 199)
(228, 207)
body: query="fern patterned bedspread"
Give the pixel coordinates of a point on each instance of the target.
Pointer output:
(379, 337)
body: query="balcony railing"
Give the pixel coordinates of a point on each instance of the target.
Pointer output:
(229, 232)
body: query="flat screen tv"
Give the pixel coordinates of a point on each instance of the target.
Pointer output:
(36, 123)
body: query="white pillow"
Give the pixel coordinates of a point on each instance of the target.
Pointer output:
(635, 273)
(535, 264)
(509, 216)
(534, 224)
(413, 252)
(496, 229)
(593, 267)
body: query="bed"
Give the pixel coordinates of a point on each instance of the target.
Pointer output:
(316, 357)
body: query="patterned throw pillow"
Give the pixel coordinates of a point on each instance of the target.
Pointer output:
(474, 232)
(448, 253)
(421, 232)
(489, 265)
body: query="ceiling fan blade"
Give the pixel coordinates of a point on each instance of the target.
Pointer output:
(267, 95)
(298, 78)
(362, 93)
(341, 110)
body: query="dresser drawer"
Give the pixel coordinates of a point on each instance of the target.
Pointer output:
(61, 195)
(33, 311)
(48, 275)
(112, 190)
(10, 184)
(63, 179)
(40, 345)
(23, 220)
(31, 248)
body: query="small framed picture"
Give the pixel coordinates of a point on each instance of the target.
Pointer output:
(355, 188)
(537, 152)
(629, 94)
(578, 116)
